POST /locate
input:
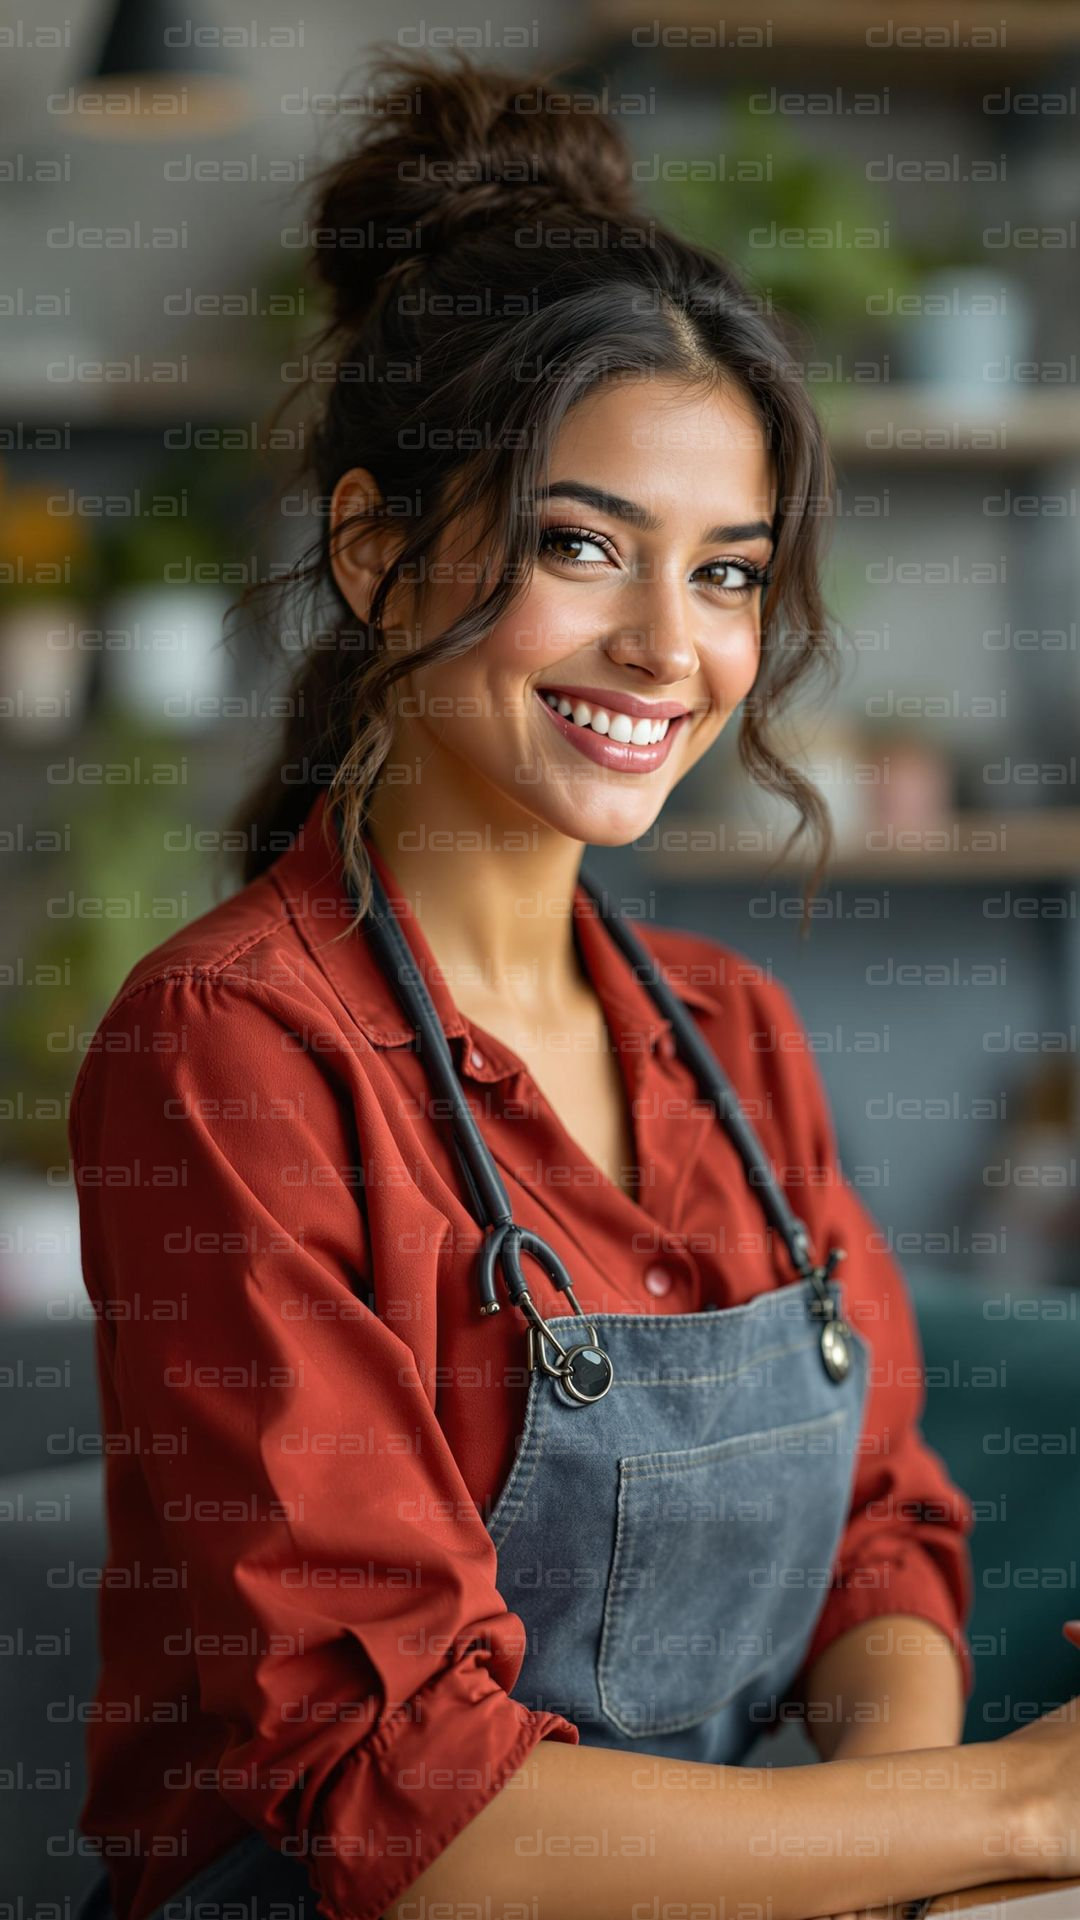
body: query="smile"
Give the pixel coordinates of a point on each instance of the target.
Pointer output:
(611, 737)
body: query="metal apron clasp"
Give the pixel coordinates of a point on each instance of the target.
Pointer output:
(585, 1370)
(836, 1337)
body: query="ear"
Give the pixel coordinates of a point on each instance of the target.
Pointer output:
(359, 555)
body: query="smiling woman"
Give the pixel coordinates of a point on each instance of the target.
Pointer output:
(468, 1606)
(565, 442)
(635, 639)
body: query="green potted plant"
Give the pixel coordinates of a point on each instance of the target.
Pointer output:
(812, 235)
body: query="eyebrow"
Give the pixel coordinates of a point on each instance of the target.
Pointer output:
(637, 516)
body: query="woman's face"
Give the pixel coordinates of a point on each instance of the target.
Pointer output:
(644, 608)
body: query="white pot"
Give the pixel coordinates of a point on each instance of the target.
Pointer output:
(973, 328)
(44, 672)
(165, 655)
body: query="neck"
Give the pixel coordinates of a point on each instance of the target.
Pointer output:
(495, 902)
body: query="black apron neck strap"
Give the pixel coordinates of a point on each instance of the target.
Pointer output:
(713, 1081)
(491, 1202)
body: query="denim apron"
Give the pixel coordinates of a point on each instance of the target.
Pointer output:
(667, 1545)
(667, 1550)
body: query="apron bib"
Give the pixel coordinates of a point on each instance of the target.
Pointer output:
(669, 1548)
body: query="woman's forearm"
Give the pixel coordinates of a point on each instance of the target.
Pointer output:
(890, 1684)
(592, 1833)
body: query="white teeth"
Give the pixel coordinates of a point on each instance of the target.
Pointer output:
(617, 726)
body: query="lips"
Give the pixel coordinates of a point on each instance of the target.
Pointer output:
(621, 756)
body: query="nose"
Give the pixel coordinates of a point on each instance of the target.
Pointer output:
(658, 638)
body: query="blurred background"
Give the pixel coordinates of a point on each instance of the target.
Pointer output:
(902, 185)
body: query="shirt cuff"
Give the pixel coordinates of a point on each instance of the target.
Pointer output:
(912, 1585)
(433, 1765)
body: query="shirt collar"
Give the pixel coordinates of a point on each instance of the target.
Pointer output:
(310, 880)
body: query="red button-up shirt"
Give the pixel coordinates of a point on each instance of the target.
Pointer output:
(307, 1419)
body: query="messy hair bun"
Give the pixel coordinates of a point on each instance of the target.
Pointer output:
(487, 268)
(456, 154)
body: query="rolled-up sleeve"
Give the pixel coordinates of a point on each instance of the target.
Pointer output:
(904, 1550)
(346, 1625)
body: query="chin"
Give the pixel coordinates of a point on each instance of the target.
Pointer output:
(609, 823)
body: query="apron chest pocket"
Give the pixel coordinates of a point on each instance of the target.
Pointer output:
(722, 1559)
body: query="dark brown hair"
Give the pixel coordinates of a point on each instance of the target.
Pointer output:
(488, 266)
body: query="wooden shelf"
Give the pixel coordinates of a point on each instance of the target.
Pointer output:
(894, 424)
(1042, 844)
(879, 35)
(911, 424)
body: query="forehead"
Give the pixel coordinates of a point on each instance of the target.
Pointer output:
(669, 446)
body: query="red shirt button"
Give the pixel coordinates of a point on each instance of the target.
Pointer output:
(658, 1280)
(476, 1058)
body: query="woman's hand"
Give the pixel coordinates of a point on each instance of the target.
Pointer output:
(1043, 1760)
(1042, 1763)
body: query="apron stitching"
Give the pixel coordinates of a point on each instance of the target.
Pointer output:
(613, 1614)
(678, 1723)
(746, 1314)
(730, 1448)
(730, 1373)
(531, 1447)
(660, 1320)
(528, 1455)
(520, 1503)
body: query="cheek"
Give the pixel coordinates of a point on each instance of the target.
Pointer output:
(734, 658)
(460, 697)
(541, 630)
(548, 623)
(508, 655)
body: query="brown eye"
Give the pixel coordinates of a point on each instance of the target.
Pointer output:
(746, 577)
(574, 537)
